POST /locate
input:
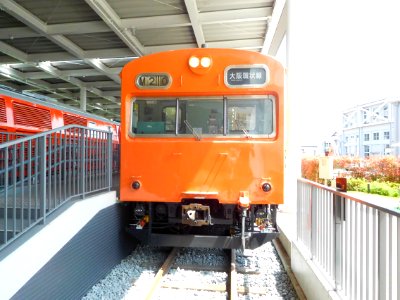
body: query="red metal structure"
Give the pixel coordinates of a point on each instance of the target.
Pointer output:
(21, 114)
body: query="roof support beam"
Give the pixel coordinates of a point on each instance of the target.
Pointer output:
(74, 73)
(110, 17)
(277, 27)
(193, 12)
(242, 15)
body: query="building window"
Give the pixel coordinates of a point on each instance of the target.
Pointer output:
(366, 137)
(366, 151)
(386, 111)
(376, 136)
(386, 135)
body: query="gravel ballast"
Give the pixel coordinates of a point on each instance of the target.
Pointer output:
(130, 279)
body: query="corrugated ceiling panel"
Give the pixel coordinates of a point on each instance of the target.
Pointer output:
(60, 11)
(35, 45)
(54, 80)
(146, 8)
(31, 116)
(228, 31)
(220, 5)
(8, 21)
(166, 36)
(97, 41)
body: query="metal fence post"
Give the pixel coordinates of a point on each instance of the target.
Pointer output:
(42, 180)
(382, 254)
(110, 158)
(83, 162)
(6, 158)
(313, 222)
(338, 217)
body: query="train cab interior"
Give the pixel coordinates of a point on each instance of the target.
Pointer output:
(204, 116)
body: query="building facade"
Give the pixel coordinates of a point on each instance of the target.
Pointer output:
(372, 129)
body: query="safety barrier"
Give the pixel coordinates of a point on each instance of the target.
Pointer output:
(10, 136)
(355, 243)
(41, 172)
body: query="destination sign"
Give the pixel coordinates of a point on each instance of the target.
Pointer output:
(153, 81)
(246, 76)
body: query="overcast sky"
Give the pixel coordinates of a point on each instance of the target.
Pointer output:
(340, 54)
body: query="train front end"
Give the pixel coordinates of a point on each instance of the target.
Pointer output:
(202, 148)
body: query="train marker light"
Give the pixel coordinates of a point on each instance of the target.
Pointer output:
(194, 61)
(244, 200)
(136, 185)
(266, 187)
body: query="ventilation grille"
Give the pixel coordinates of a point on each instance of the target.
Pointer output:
(31, 116)
(3, 116)
(70, 119)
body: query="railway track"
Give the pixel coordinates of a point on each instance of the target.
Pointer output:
(195, 273)
(227, 282)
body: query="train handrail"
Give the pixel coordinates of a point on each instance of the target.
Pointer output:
(41, 172)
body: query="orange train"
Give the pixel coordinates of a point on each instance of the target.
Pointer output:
(202, 147)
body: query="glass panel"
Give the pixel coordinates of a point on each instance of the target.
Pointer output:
(154, 116)
(254, 116)
(250, 116)
(204, 116)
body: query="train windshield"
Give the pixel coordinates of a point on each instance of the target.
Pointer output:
(204, 116)
(250, 116)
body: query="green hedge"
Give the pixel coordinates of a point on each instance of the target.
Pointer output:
(375, 187)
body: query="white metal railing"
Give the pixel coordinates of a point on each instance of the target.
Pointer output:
(355, 243)
(39, 173)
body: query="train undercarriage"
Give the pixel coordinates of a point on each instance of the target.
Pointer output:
(205, 223)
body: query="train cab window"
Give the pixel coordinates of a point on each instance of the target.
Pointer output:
(154, 116)
(203, 116)
(169, 117)
(250, 116)
(199, 116)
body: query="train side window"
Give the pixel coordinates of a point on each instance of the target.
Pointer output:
(251, 116)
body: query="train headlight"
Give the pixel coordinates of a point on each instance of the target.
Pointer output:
(205, 62)
(194, 62)
(200, 64)
(136, 185)
(266, 187)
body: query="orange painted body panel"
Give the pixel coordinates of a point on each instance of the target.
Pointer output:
(172, 168)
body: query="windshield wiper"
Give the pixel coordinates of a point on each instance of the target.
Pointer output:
(241, 127)
(192, 130)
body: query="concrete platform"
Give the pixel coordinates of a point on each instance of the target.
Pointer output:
(66, 253)
(308, 277)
